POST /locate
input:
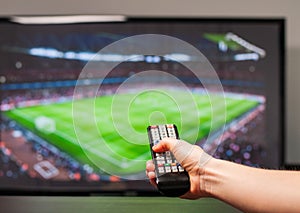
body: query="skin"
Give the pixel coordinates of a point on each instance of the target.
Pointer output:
(246, 188)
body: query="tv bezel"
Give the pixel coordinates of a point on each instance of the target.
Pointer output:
(129, 188)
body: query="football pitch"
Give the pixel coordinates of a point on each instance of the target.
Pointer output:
(113, 138)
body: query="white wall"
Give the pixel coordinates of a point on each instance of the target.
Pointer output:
(290, 9)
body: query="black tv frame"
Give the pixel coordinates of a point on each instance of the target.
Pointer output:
(129, 188)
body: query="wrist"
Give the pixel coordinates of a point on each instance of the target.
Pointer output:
(209, 177)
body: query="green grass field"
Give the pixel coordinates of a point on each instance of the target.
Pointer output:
(113, 134)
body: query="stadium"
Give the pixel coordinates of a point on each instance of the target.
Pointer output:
(38, 99)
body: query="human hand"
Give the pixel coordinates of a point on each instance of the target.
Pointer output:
(191, 157)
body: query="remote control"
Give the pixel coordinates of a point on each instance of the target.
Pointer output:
(172, 180)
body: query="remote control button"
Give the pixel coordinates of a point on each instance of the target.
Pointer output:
(160, 158)
(156, 142)
(169, 161)
(174, 169)
(161, 170)
(180, 169)
(168, 153)
(163, 136)
(154, 138)
(157, 154)
(169, 158)
(172, 136)
(168, 169)
(160, 162)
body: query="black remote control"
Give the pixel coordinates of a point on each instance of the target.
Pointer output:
(172, 180)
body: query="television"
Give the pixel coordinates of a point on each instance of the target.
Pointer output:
(78, 93)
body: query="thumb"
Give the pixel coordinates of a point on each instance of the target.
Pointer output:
(180, 149)
(166, 144)
(186, 154)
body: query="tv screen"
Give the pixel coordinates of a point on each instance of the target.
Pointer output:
(78, 93)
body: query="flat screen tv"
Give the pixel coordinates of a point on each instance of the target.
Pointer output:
(78, 93)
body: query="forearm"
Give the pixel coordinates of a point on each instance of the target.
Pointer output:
(251, 189)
